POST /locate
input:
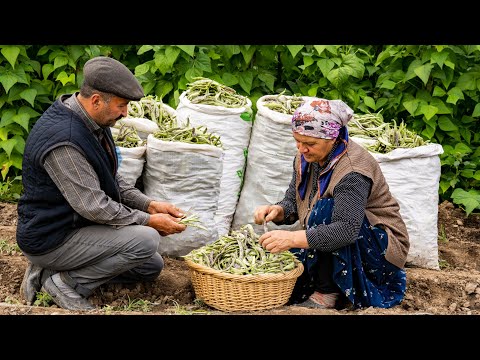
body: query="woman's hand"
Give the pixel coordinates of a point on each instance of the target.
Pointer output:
(281, 240)
(266, 213)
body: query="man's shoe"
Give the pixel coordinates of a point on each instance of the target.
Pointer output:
(31, 283)
(63, 300)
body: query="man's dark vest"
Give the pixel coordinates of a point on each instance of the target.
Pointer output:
(45, 218)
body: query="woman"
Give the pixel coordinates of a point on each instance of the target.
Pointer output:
(353, 241)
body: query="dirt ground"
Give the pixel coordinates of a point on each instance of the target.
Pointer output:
(452, 290)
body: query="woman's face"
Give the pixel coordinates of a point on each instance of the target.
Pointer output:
(314, 149)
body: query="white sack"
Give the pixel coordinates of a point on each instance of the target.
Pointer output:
(187, 175)
(269, 168)
(234, 134)
(130, 162)
(143, 126)
(413, 175)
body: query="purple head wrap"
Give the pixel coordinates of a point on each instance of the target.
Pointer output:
(321, 118)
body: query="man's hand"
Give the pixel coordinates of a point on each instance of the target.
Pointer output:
(162, 207)
(166, 224)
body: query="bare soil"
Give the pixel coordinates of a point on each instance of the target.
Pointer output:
(452, 290)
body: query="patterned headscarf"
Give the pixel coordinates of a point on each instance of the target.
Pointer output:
(321, 118)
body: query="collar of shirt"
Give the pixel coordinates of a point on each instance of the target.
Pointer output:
(72, 102)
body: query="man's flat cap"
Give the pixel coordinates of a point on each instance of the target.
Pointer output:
(111, 76)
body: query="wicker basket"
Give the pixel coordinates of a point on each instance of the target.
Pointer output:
(229, 292)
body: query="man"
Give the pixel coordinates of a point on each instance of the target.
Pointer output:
(79, 223)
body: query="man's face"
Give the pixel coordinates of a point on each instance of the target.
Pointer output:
(313, 149)
(109, 112)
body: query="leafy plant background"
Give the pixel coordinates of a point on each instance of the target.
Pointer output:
(434, 89)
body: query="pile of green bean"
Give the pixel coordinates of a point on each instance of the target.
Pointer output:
(387, 136)
(152, 108)
(209, 92)
(366, 126)
(393, 137)
(127, 137)
(282, 103)
(188, 134)
(240, 253)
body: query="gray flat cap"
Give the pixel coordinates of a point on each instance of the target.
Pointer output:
(111, 76)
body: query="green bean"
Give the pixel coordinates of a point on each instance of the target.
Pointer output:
(240, 253)
(127, 137)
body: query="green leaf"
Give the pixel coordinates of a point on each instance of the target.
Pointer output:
(411, 106)
(439, 58)
(60, 61)
(142, 69)
(441, 107)
(467, 81)
(438, 91)
(29, 111)
(22, 119)
(230, 50)
(388, 84)
(246, 116)
(428, 132)
(339, 76)
(294, 49)
(467, 173)
(229, 79)
(65, 79)
(312, 90)
(461, 148)
(445, 124)
(161, 63)
(163, 88)
(3, 133)
(470, 200)
(189, 49)
(381, 102)
(20, 145)
(16, 160)
(247, 53)
(307, 61)
(325, 65)
(410, 74)
(8, 145)
(8, 80)
(203, 62)
(29, 95)
(476, 111)
(428, 111)
(11, 54)
(192, 73)
(370, 102)
(454, 94)
(171, 53)
(47, 69)
(355, 65)
(319, 48)
(144, 48)
(268, 79)
(476, 176)
(450, 64)
(246, 80)
(423, 72)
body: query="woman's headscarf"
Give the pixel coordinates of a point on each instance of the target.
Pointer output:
(321, 118)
